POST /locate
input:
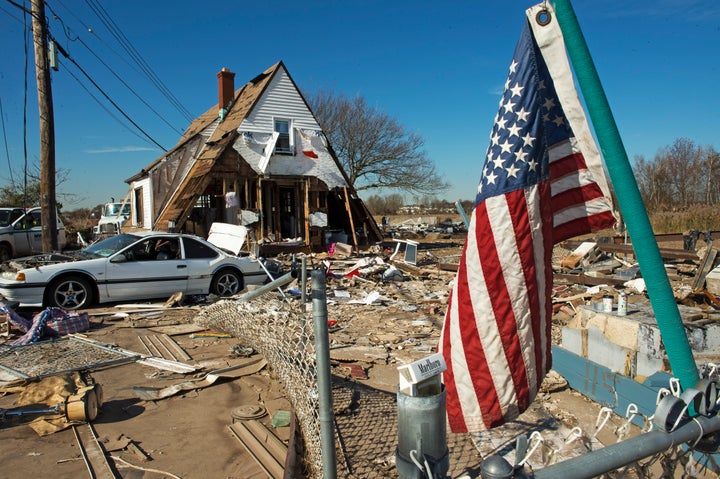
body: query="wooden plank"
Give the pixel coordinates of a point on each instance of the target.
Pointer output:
(707, 264)
(350, 216)
(175, 347)
(606, 387)
(265, 448)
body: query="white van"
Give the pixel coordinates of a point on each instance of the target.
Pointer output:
(21, 233)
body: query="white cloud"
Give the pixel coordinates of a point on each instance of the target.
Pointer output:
(121, 149)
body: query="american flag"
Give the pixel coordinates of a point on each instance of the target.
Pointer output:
(540, 183)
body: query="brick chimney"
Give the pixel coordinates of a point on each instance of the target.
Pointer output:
(226, 88)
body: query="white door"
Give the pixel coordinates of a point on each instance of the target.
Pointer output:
(145, 272)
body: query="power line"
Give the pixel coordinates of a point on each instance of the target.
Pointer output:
(107, 97)
(7, 150)
(136, 56)
(97, 100)
(112, 71)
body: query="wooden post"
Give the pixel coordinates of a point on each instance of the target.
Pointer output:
(349, 212)
(48, 204)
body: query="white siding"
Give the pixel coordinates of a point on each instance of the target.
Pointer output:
(280, 100)
(147, 202)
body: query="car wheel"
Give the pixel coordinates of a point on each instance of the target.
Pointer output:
(5, 253)
(227, 283)
(70, 292)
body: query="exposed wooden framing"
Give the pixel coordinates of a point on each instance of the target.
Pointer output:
(258, 197)
(350, 216)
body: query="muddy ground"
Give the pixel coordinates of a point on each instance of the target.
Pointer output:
(186, 435)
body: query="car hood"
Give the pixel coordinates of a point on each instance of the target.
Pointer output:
(36, 261)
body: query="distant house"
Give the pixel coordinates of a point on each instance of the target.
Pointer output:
(259, 158)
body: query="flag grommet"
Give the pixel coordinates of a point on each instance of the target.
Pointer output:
(543, 17)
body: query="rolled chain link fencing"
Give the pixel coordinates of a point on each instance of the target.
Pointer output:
(283, 333)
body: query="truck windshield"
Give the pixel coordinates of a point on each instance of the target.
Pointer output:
(116, 209)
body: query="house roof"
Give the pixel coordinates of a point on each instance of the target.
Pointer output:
(244, 99)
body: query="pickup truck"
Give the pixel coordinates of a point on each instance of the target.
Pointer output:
(21, 233)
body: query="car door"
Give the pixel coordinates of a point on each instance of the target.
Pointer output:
(200, 258)
(27, 234)
(140, 271)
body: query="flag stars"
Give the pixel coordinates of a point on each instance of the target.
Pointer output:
(498, 162)
(549, 103)
(514, 130)
(559, 121)
(522, 114)
(495, 139)
(512, 171)
(532, 164)
(517, 90)
(491, 178)
(520, 155)
(501, 123)
(513, 66)
(506, 146)
(528, 140)
(509, 106)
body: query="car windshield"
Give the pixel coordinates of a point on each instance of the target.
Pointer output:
(116, 209)
(111, 245)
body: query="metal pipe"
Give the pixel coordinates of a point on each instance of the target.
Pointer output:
(303, 279)
(322, 359)
(628, 195)
(278, 283)
(629, 451)
(262, 264)
(459, 208)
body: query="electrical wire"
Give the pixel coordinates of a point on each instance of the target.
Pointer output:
(7, 150)
(111, 70)
(135, 55)
(107, 97)
(100, 103)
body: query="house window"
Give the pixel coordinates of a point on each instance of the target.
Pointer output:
(284, 144)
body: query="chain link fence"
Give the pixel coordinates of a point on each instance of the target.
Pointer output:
(283, 333)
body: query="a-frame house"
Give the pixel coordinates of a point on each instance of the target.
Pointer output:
(259, 158)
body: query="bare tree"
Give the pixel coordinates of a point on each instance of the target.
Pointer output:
(682, 161)
(374, 149)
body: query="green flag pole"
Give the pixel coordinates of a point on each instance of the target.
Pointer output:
(629, 200)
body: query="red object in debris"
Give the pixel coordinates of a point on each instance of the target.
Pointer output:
(332, 322)
(356, 371)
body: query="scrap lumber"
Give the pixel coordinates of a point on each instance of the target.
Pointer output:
(587, 249)
(706, 265)
(93, 452)
(665, 253)
(266, 449)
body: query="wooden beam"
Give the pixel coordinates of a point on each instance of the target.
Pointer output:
(349, 212)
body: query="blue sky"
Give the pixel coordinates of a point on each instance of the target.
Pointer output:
(437, 67)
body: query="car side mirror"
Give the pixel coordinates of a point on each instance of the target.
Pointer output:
(119, 258)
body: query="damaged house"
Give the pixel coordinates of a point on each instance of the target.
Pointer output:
(258, 159)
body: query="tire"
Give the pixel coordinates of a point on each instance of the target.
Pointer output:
(5, 253)
(227, 282)
(69, 293)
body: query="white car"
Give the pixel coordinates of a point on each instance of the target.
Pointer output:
(135, 266)
(21, 232)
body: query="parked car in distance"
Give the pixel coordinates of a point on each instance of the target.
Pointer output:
(21, 232)
(142, 265)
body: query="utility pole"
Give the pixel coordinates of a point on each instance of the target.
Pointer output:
(48, 203)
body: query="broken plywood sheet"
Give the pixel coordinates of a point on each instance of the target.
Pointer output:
(245, 368)
(267, 450)
(587, 249)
